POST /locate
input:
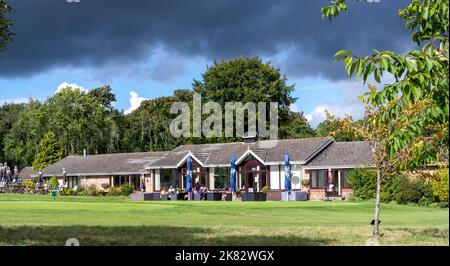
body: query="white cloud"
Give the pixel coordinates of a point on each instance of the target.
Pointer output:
(318, 115)
(135, 102)
(69, 85)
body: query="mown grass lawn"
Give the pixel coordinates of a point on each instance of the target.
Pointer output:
(40, 220)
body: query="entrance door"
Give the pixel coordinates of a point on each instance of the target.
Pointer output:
(334, 181)
(250, 182)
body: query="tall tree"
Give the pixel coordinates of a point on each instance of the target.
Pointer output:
(25, 134)
(9, 113)
(148, 127)
(327, 129)
(48, 151)
(105, 96)
(296, 126)
(80, 122)
(248, 79)
(6, 35)
(421, 83)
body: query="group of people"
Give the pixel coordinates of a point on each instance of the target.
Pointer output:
(7, 175)
(171, 192)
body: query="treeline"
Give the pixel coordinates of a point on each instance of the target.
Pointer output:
(88, 121)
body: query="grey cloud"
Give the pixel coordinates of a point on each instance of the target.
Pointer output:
(53, 33)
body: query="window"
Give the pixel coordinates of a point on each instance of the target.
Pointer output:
(221, 178)
(318, 178)
(169, 178)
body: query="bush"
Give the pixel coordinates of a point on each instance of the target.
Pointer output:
(363, 183)
(53, 183)
(404, 191)
(126, 190)
(305, 182)
(91, 190)
(265, 189)
(114, 191)
(439, 185)
(67, 192)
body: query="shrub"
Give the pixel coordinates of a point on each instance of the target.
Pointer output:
(28, 184)
(67, 191)
(126, 190)
(363, 183)
(265, 189)
(305, 182)
(91, 190)
(114, 191)
(53, 183)
(439, 185)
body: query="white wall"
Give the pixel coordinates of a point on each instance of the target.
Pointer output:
(296, 176)
(211, 178)
(274, 177)
(157, 179)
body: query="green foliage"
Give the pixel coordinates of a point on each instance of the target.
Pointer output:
(265, 189)
(114, 191)
(328, 129)
(421, 76)
(9, 114)
(363, 182)
(67, 192)
(126, 190)
(53, 183)
(248, 79)
(78, 120)
(417, 191)
(6, 35)
(48, 151)
(148, 127)
(91, 190)
(25, 134)
(104, 96)
(396, 188)
(439, 184)
(295, 126)
(405, 191)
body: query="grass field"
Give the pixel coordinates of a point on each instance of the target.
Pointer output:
(40, 220)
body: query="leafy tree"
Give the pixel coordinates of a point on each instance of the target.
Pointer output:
(439, 184)
(327, 129)
(105, 96)
(9, 114)
(418, 99)
(48, 151)
(247, 79)
(148, 127)
(80, 122)
(21, 141)
(296, 126)
(53, 183)
(6, 35)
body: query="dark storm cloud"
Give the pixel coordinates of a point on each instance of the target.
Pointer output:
(54, 33)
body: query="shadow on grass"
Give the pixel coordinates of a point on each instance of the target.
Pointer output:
(143, 236)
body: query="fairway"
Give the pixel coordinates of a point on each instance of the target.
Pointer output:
(40, 220)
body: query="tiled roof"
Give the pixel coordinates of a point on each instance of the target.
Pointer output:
(344, 153)
(270, 151)
(26, 172)
(313, 151)
(104, 164)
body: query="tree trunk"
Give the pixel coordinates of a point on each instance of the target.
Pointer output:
(376, 226)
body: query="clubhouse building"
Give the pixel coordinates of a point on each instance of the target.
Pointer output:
(259, 164)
